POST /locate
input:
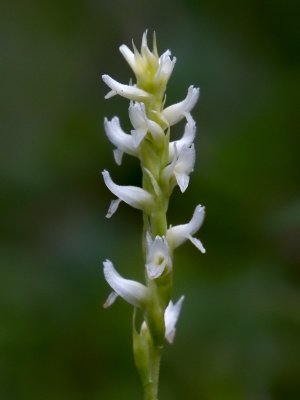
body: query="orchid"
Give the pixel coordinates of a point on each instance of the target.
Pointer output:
(165, 163)
(158, 258)
(123, 141)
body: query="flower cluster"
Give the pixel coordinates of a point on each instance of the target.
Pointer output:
(164, 165)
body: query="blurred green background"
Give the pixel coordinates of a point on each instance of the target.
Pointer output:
(238, 335)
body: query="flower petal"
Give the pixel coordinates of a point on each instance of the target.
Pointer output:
(137, 118)
(118, 137)
(129, 57)
(196, 242)
(142, 124)
(165, 69)
(158, 258)
(113, 207)
(171, 317)
(177, 235)
(182, 180)
(187, 137)
(176, 112)
(132, 195)
(111, 299)
(130, 92)
(133, 292)
(181, 166)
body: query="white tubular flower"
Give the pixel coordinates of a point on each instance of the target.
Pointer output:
(147, 66)
(142, 124)
(177, 235)
(124, 143)
(140, 62)
(187, 137)
(131, 58)
(158, 258)
(132, 195)
(133, 292)
(130, 92)
(171, 317)
(165, 68)
(176, 112)
(181, 166)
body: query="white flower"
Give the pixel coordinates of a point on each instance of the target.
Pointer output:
(133, 292)
(186, 139)
(178, 234)
(130, 92)
(142, 124)
(139, 62)
(181, 166)
(158, 257)
(165, 68)
(147, 66)
(176, 112)
(124, 143)
(171, 317)
(132, 195)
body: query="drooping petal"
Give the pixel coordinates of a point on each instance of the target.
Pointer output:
(132, 195)
(130, 92)
(186, 139)
(133, 292)
(178, 234)
(158, 258)
(176, 112)
(123, 141)
(171, 317)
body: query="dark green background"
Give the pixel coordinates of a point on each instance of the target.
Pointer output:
(238, 335)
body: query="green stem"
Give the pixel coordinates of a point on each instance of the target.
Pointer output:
(151, 387)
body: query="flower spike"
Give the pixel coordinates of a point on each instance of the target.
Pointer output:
(164, 164)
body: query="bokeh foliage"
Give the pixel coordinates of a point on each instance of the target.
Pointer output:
(238, 336)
